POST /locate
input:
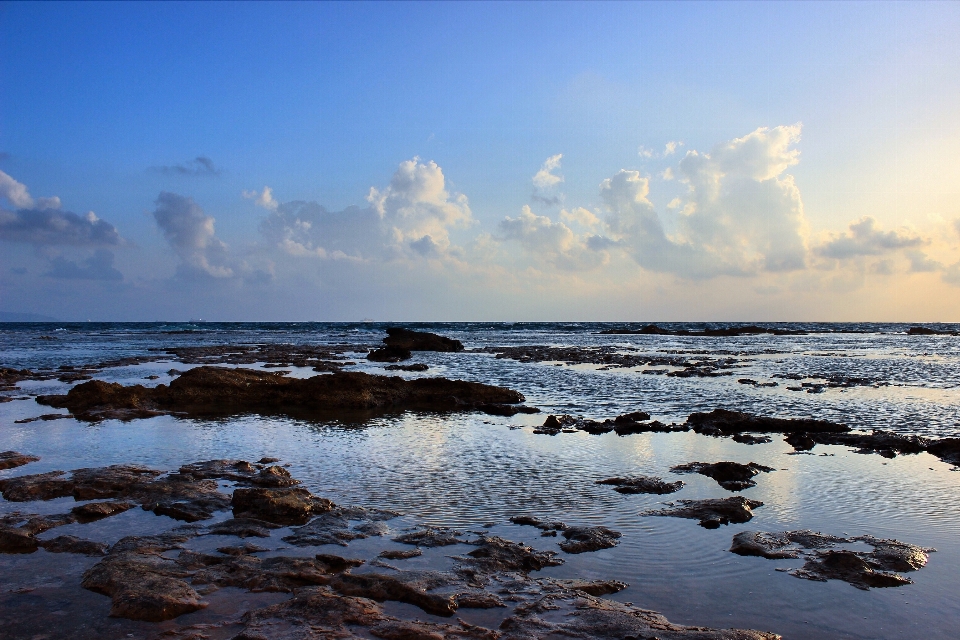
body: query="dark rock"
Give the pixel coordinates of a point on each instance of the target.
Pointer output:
(925, 331)
(725, 422)
(495, 554)
(400, 554)
(754, 383)
(746, 438)
(947, 449)
(41, 486)
(800, 441)
(893, 555)
(329, 528)
(594, 587)
(268, 460)
(279, 506)
(778, 545)
(493, 409)
(17, 540)
(642, 484)
(98, 510)
(241, 550)
(420, 341)
(849, 567)
(401, 587)
(419, 366)
(72, 544)
(582, 539)
(279, 574)
(11, 459)
(142, 584)
(732, 476)
(531, 521)
(389, 354)
(430, 537)
(214, 390)
(711, 512)
(243, 528)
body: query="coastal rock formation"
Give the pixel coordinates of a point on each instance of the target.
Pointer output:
(723, 422)
(626, 424)
(877, 568)
(732, 476)
(278, 506)
(333, 527)
(583, 539)
(12, 459)
(494, 554)
(431, 537)
(215, 390)
(400, 342)
(642, 484)
(711, 512)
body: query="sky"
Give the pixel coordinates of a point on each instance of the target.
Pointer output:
(528, 161)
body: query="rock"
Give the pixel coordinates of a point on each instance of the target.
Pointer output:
(400, 554)
(219, 391)
(495, 554)
(642, 484)
(72, 544)
(725, 422)
(419, 366)
(893, 555)
(849, 567)
(582, 539)
(925, 331)
(947, 449)
(243, 528)
(389, 354)
(268, 460)
(711, 512)
(886, 443)
(278, 574)
(407, 587)
(11, 459)
(97, 510)
(241, 550)
(431, 537)
(746, 438)
(420, 341)
(279, 506)
(732, 476)
(41, 486)
(142, 584)
(17, 540)
(764, 545)
(495, 409)
(594, 587)
(329, 528)
(181, 496)
(544, 526)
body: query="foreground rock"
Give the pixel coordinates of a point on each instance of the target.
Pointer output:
(214, 390)
(583, 539)
(278, 506)
(712, 512)
(877, 568)
(642, 484)
(12, 459)
(732, 476)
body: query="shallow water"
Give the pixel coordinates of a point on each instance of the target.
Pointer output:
(468, 470)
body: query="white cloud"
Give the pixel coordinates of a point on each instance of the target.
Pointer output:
(16, 193)
(580, 216)
(191, 234)
(866, 239)
(671, 147)
(546, 178)
(550, 241)
(644, 152)
(262, 198)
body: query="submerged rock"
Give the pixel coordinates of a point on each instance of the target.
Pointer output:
(431, 537)
(11, 459)
(583, 539)
(400, 554)
(72, 544)
(711, 512)
(215, 390)
(642, 484)
(419, 366)
(732, 476)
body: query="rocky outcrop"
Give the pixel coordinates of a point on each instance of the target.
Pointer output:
(278, 506)
(214, 390)
(711, 512)
(723, 422)
(642, 484)
(732, 476)
(583, 539)
(420, 341)
(12, 459)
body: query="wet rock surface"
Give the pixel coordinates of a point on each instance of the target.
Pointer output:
(278, 506)
(823, 561)
(13, 459)
(431, 537)
(420, 341)
(626, 424)
(334, 526)
(642, 484)
(732, 476)
(712, 512)
(583, 539)
(723, 422)
(215, 390)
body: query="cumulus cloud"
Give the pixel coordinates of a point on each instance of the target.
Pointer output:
(412, 217)
(742, 214)
(262, 198)
(39, 221)
(201, 166)
(191, 234)
(671, 147)
(865, 239)
(546, 177)
(553, 242)
(99, 266)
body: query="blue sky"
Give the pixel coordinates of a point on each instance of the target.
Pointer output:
(449, 111)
